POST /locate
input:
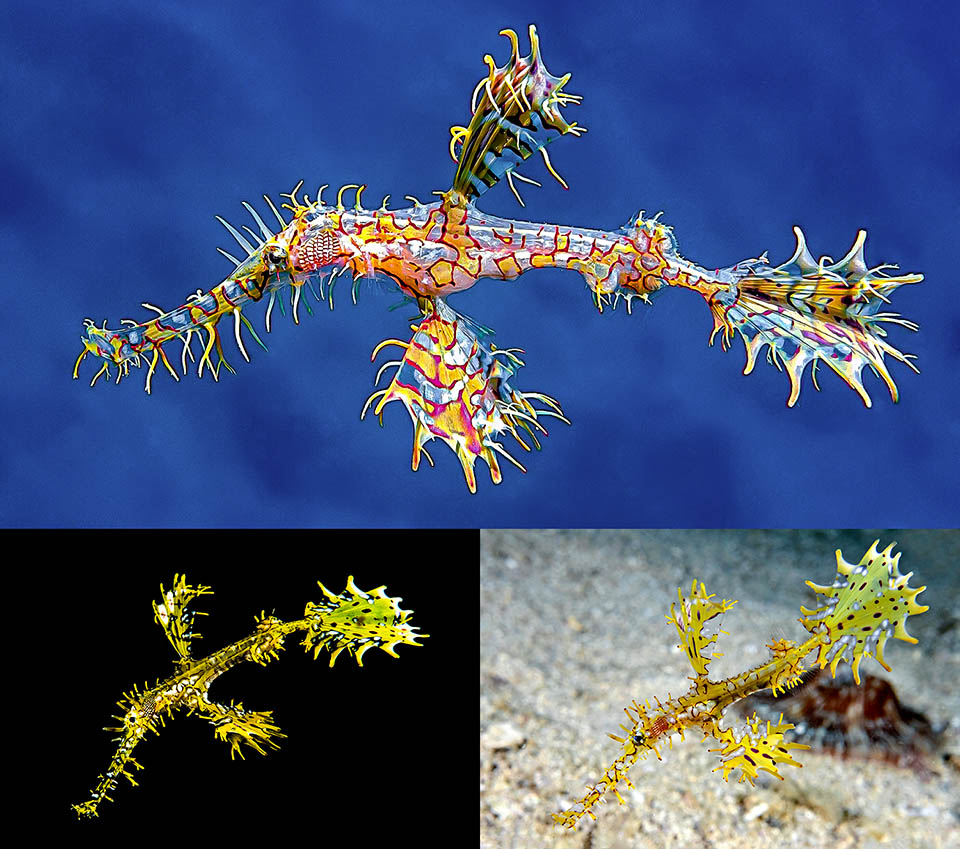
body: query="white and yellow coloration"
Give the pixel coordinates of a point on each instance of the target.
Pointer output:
(353, 621)
(865, 605)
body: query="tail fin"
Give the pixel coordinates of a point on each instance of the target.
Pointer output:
(866, 604)
(457, 389)
(807, 311)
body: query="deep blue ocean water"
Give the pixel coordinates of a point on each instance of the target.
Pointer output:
(128, 127)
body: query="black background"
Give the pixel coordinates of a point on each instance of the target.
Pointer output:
(370, 752)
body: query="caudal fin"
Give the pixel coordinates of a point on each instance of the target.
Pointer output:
(866, 604)
(805, 311)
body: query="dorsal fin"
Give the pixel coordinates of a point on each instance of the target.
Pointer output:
(173, 615)
(694, 612)
(516, 112)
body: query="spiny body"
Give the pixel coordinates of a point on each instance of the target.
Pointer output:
(867, 604)
(353, 621)
(455, 384)
(429, 250)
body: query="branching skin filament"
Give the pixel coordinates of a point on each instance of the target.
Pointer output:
(866, 604)
(455, 384)
(353, 621)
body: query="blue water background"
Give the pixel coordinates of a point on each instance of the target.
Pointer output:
(127, 126)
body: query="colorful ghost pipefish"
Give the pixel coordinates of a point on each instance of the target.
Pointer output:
(866, 604)
(353, 621)
(454, 383)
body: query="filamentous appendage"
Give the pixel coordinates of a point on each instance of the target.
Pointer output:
(866, 604)
(457, 386)
(353, 621)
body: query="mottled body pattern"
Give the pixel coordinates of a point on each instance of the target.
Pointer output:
(866, 604)
(353, 621)
(456, 385)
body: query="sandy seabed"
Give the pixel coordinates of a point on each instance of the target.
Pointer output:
(572, 629)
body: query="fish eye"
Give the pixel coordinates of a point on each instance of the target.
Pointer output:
(276, 255)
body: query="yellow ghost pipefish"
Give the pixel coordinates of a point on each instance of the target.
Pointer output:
(353, 621)
(866, 604)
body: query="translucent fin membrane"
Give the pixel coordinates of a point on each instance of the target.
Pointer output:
(458, 391)
(516, 113)
(866, 604)
(806, 311)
